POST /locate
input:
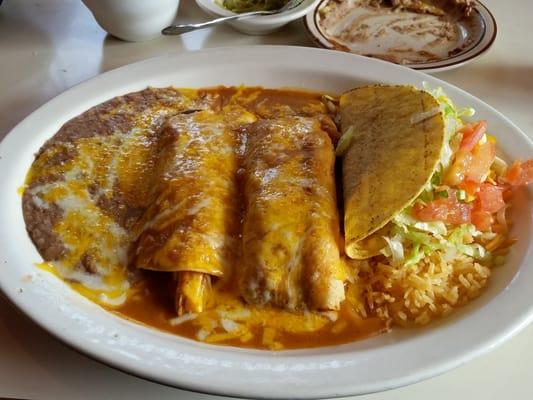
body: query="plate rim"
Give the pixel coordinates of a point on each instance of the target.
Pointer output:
(496, 339)
(489, 27)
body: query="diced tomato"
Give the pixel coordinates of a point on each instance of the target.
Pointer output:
(471, 188)
(482, 220)
(457, 171)
(514, 172)
(507, 192)
(436, 210)
(472, 133)
(460, 213)
(471, 166)
(490, 198)
(448, 210)
(482, 158)
(520, 173)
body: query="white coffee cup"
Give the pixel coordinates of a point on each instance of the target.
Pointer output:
(133, 20)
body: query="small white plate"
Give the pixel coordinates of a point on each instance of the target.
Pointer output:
(260, 25)
(379, 363)
(479, 34)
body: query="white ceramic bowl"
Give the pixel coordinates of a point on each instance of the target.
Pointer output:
(133, 20)
(260, 25)
(379, 363)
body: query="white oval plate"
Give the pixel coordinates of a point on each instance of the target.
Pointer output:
(484, 36)
(387, 361)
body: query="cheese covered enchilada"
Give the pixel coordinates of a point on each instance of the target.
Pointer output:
(192, 227)
(291, 228)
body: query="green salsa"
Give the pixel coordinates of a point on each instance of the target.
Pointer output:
(241, 6)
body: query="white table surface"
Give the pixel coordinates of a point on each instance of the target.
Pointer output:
(48, 46)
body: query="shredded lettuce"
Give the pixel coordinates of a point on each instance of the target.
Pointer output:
(466, 232)
(422, 116)
(412, 240)
(452, 121)
(466, 112)
(405, 221)
(344, 142)
(395, 249)
(415, 255)
(499, 166)
(473, 250)
(462, 232)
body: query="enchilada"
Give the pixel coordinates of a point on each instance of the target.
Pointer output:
(291, 229)
(192, 227)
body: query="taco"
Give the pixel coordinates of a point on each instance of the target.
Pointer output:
(393, 137)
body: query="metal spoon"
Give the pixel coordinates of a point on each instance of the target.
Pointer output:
(183, 28)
